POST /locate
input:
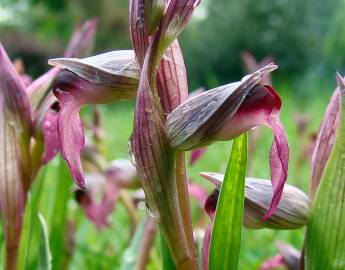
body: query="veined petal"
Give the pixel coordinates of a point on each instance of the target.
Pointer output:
(16, 128)
(197, 121)
(172, 78)
(138, 29)
(112, 69)
(115, 81)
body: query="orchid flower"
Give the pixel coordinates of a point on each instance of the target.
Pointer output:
(288, 258)
(119, 175)
(22, 152)
(226, 112)
(104, 78)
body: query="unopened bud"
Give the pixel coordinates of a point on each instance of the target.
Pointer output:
(292, 211)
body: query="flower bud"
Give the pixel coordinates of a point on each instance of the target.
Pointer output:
(292, 211)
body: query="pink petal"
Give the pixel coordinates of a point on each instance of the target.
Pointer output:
(172, 78)
(206, 245)
(98, 212)
(50, 135)
(71, 136)
(196, 191)
(272, 263)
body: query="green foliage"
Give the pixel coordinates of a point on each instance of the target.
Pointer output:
(325, 240)
(292, 31)
(226, 233)
(129, 257)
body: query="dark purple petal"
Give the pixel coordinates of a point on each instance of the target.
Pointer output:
(15, 173)
(211, 203)
(324, 142)
(196, 154)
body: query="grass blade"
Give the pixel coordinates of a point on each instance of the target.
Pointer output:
(167, 261)
(44, 258)
(325, 240)
(27, 258)
(226, 233)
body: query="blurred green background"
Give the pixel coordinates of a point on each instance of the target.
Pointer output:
(305, 38)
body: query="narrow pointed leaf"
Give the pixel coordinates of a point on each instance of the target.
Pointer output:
(325, 240)
(27, 259)
(226, 233)
(131, 258)
(45, 258)
(324, 142)
(167, 261)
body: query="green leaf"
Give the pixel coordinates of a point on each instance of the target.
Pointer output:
(325, 240)
(44, 257)
(30, 230)
(57, 191)
(167, 262)
(226, 234)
